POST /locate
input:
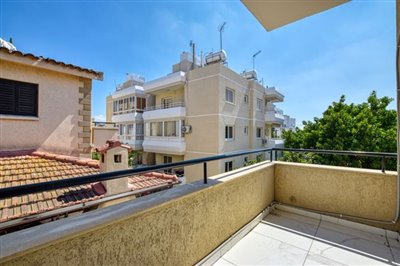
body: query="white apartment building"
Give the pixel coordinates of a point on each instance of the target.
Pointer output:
(289, 123)
(197, 111)
(125, 108)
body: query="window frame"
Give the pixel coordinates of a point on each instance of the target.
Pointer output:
(16, 87)
(229, 166)
(227, 138)
(258, 130)
(227, 89)
(246, 130)
(246, 99)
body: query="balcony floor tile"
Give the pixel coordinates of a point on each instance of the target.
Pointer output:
(287, 238)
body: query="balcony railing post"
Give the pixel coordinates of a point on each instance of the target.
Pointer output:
(270, 156)
(383, 164)
(205, 172)
(276, 155)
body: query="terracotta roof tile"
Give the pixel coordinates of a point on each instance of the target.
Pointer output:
(54, 62)
(18, 168)
(112, 144)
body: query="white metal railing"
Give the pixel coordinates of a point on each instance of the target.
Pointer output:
(165, 106)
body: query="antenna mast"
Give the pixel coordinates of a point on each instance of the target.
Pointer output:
(254, 59)
(221, 30)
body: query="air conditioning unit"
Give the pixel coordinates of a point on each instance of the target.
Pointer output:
(186, 129)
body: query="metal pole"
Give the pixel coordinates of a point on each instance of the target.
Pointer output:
(270, 156)
(383, 164)
(205, 172)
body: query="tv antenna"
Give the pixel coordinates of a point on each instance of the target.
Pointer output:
(221, 30)
(254, 59)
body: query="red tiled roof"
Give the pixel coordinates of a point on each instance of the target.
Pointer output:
(27, 167)
(152, 179)
(112, 144)
(38, 167)
(54, 62)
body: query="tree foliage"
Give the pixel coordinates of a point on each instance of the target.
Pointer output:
(368, 126)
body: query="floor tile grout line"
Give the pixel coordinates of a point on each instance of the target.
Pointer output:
(279, 241)
(312, 240)
(389, 247)
(228, 261)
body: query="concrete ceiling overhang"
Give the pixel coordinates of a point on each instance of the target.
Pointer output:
(273, 14)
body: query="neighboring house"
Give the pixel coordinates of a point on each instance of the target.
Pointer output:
(125, 109)
(45, 121)
(202, 110)
(27, 167)
(44, 104)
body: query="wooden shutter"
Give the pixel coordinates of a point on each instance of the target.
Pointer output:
(7, 97)
(18, 98)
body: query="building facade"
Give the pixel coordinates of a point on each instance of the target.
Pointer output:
(44, 104)
(200, 110)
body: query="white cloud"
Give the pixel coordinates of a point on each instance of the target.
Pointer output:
(99, 118)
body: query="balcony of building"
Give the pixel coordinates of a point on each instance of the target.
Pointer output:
(170, 81)
(165, 137)
(277, 142)
(267, 213)
(273, 95)
(273, 115)
(164, 111)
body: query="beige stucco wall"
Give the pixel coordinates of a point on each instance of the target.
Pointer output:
(351, 191)
(189, 222)
(61, 106)
(109, 108)
(101, 134)
(176, 93)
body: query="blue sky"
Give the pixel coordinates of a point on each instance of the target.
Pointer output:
(347, 50)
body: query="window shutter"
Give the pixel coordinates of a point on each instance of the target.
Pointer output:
(7, 97)
(18, 98)
(27, 96)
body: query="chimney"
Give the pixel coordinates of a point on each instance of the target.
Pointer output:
(114, 157)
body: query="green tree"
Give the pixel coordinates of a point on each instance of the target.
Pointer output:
(368, 126)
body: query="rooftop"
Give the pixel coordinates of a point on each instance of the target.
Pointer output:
(28, 167)
(47, 63)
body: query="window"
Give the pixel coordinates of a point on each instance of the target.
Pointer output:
(131, 103)
(120, 105)
(166, 102)
(246, 130)
(246, 98)
(126, 104)
(258, 133)
(129, 129)
(139, 129)
(121, 129)
(18, 98)
(228, 132)
(156, 129)
(228, 166)
(170, 128)
(117, 158)
(229, 95)
(102, 158)
(115, 107)
(167, 159)
(140, 103)
(259, 104)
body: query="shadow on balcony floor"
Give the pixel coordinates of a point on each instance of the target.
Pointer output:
(291, 237)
